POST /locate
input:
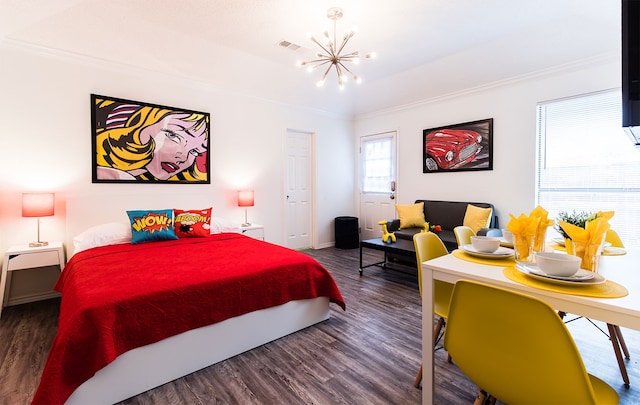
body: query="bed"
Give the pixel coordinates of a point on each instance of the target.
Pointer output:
(184, 304)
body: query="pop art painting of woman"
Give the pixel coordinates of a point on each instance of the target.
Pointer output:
(138, 142)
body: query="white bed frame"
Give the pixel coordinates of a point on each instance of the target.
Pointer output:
(147, 367)
(150, 366)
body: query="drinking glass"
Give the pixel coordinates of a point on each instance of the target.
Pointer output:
(589, 253)
(539, 238)
(523, 248)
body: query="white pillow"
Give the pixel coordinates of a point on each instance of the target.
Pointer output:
(101, 235)
(219, 225)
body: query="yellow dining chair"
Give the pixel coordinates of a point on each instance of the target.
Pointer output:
(463, 234)
(429, 246)
(615, 333)
(533, 358)
(613, 238)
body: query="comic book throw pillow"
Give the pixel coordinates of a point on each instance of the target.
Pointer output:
(151, 225)
(192, 223)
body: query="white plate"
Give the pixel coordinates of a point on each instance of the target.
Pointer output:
(505, 243)
(578, 279)
(501, 253)
(560, 241)
(581, 275)
(614, 251)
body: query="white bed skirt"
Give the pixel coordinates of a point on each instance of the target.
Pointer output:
(147, 367)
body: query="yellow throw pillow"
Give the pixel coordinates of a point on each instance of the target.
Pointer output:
(411, 215)
(477, 218)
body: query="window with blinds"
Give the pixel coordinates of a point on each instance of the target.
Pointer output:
(586, 162)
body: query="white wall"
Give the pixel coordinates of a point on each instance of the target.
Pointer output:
(510, 186)
(45, 139)
(45, 143)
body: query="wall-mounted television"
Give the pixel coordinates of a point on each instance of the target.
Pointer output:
(631, 69)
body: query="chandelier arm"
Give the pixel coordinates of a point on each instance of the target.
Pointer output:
(344, 43)
(326, 72)
(345, 68)
(322, 61)
(322, 64)
(351, 55)
(321, 46)
(338, 71)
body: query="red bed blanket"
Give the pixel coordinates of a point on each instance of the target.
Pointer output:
(116, 298)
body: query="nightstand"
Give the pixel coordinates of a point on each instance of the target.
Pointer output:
(254, 230)
(23, 257)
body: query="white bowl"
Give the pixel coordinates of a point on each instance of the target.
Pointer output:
(485, 244)
(558, 264)
(507, 235)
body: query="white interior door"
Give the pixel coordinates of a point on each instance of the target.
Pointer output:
(299, 190)
(378, 186)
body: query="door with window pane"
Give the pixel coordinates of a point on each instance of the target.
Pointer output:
(377, 182)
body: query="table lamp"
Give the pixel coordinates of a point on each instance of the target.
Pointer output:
(38, 205)
(245, 199)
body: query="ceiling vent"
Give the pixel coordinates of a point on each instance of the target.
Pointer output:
(288, 45)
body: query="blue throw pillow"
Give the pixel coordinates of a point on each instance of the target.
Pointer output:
(151, 225)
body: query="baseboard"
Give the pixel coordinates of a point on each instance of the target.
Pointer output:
(32, 297)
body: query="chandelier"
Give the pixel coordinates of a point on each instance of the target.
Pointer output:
(331, 55)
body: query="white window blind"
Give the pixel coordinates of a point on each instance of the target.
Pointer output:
(378, 165)
(587, 163)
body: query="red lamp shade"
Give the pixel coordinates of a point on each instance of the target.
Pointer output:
(38, 204)
(245, 198)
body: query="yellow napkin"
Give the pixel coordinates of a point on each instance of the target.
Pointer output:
(606, 214)
(541, 230)
(524, 230)
(587, 241)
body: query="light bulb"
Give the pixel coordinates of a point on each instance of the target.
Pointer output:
(370, 55)
(320, 83)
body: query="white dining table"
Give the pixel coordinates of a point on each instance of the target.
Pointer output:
(624, 311)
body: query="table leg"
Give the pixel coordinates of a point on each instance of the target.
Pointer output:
(613, 336)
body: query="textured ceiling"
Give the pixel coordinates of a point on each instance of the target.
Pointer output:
(191, 37)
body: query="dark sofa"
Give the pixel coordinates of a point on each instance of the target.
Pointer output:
(447, 214)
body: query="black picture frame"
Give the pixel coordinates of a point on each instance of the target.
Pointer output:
(139, 142)
(458, 148)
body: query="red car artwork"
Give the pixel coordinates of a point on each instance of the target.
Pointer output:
(451, 148)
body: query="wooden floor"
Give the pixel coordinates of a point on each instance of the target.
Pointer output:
(366, 355)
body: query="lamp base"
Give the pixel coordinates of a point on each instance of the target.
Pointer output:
(246, 224)
(38, 244)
